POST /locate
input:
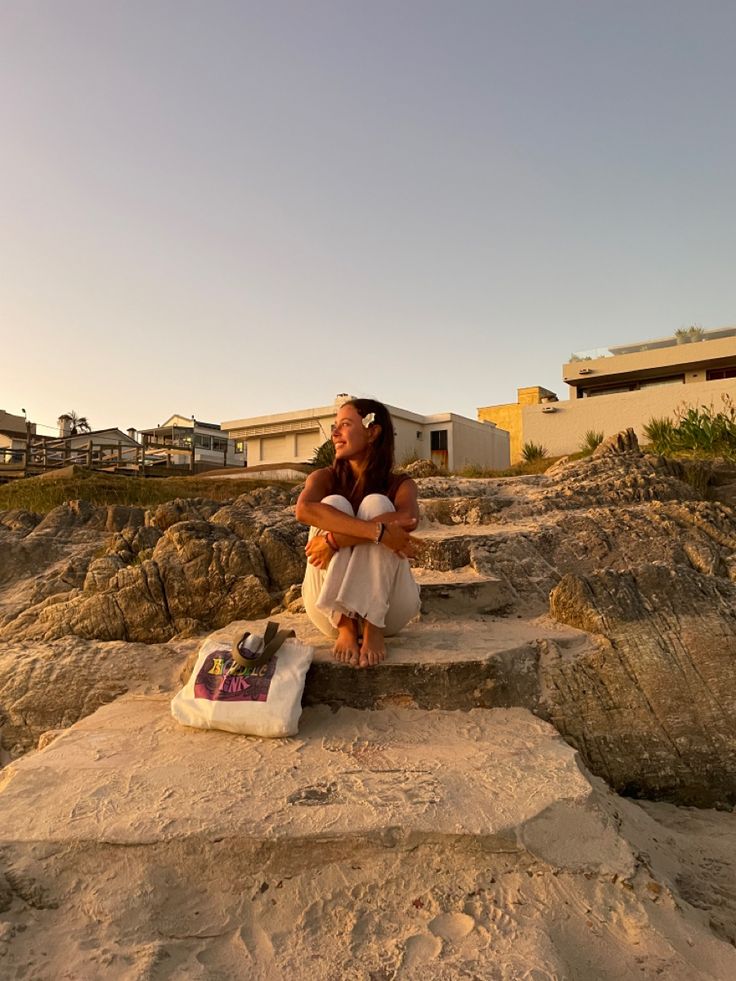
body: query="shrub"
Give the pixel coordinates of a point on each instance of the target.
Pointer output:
(533, 451)
(660, 433)
(591, 440)
(324, 454)
(696, 429)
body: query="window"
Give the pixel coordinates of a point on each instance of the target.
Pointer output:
(438, 440)
(218, 443)
(240, 446)
(204, 441)
(714, 374)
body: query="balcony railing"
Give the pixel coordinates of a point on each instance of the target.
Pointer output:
(684, 336)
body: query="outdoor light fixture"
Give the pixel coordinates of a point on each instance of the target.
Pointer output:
(549, 408)
(585, 371)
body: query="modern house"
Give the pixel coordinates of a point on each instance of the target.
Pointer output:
(173, 441)
(450, 440)
(622, 386)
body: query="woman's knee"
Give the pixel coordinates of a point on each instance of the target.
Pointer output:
(339, 502)
(373, 505)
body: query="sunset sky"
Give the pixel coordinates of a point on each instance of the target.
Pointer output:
(234, 208)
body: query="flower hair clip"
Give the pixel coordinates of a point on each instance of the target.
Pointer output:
(369, 419)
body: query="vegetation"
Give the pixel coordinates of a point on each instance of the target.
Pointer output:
(42, 494)
(324, 455)
(686, 335)
(591, 440)
(533, 451)
(78, 424)
(696, 430)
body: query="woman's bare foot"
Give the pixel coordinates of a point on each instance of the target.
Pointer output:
(373, 648)
(346, 645)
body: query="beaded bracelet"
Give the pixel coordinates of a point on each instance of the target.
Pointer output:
(331, 542)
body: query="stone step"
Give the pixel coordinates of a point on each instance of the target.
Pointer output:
(461, 592)
(443, 548)
(129, 775)
(373, 845)
(435, 662)
(467, 510)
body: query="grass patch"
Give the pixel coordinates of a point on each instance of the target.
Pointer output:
(43, 494)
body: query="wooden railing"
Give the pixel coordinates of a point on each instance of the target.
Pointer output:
(41, 456)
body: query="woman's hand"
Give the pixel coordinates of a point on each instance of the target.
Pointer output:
(398, 539)
(319, 552)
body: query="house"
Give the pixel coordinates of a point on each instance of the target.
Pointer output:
(173, 440)
(620, 387)
(94, 447)
(14, 434)
(450, 440)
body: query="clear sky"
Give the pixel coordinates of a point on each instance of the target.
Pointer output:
(230, 208)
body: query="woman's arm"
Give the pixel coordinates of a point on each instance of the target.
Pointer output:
(398, 523)
(310, 511)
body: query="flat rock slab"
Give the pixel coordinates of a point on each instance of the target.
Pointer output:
(130, 775)
(462, 663)
(461, 592)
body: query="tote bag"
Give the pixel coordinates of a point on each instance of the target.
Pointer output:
(252, 686)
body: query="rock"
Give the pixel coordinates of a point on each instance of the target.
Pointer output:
(282, 547)
(101, 571)
(19, 521)
(651, 705)
(198, 572)
(625, 441)
(463, 510)
(67, 519)
(422, 468)
(557, 467)
(181, 509)
(50, 686)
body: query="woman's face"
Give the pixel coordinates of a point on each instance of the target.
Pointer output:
(349, 435)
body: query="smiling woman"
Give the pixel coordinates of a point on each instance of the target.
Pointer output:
(358, 584)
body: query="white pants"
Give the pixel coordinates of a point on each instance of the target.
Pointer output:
(368, 581)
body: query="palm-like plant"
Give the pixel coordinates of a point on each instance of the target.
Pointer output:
(591, 440)
(78, 424)
(533, 451)
(324, 454)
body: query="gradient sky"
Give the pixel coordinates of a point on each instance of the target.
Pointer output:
(233, 208)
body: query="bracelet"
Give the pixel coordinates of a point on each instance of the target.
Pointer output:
(379, 533)
(331, 542)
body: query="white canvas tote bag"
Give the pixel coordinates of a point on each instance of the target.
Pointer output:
(253, 686)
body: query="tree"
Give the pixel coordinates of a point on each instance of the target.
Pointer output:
(78, 424)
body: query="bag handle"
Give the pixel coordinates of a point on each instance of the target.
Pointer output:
(273, 638)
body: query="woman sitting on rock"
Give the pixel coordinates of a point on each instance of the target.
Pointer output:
(358, 579)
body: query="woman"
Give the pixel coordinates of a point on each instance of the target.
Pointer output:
(360, 514)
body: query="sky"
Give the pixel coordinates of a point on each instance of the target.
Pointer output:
(231, 208)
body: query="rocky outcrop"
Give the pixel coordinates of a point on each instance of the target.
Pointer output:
(623, 546)
(652, 704)
(158, 575)
(625, 441)
(50, 686)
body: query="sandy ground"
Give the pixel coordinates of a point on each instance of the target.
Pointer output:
(375, 845)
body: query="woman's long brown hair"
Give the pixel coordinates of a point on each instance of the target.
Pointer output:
(375, 476)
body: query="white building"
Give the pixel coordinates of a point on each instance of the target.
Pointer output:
(13, 436)
(173, 440)
(450, 440)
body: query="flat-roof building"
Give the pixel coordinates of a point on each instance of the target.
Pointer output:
(624, 386)
(450, 440)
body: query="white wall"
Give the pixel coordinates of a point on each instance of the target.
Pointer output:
(563, 431)
(476, 444)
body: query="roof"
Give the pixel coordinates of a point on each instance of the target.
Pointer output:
(184, 421)
(121, 436)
